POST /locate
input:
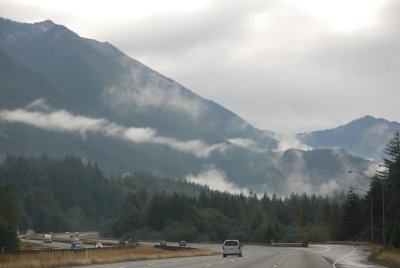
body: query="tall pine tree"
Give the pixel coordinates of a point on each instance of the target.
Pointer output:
(391, 153)
(8, 219)
(392, 162)
(352, 221)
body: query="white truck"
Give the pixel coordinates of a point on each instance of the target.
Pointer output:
(46, 238)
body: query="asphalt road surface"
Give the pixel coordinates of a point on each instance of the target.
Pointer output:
(52, 245)
(315, 256)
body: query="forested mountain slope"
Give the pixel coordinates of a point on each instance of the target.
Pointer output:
(67, 95)
(58, 195)
(67, 194)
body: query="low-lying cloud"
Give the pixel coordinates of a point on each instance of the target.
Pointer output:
(216, 179)
(290, 141)
(246, 144)
(36, 114)
(141, 90)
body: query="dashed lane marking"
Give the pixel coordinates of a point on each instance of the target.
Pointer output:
(281, 260)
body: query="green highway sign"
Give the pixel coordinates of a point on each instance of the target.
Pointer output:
(292, 234)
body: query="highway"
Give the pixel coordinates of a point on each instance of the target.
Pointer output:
(315, 256)
(52, 245)
(59, 245)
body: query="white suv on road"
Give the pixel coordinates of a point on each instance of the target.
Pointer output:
(232, 247)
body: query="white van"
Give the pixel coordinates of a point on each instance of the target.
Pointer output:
(46, 238)
(232, 247)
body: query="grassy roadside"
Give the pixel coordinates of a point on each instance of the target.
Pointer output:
(386, 255)
(142, 252)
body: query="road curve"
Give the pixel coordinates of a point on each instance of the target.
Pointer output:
(345, 256)
(315, 256)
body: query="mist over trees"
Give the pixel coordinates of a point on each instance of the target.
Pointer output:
(69, 194)
(57, 195)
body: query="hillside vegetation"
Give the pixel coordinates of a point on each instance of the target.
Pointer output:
(70, 195)
(62, 94)
(59, 195)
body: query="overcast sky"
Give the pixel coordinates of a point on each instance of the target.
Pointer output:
(283, 65)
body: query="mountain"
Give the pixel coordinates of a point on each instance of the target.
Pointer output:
(62, 94)
(365, 137)
(104, 82)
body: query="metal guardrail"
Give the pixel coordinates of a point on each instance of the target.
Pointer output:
(302, 244)
(173, 248)
(64, 251)
(354, 243)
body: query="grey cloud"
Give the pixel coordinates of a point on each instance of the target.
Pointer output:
(294, 74)
(57, 121)
(31, 12)
(290, 142)
(268, 61)
(62, 121)
(247, 144)
(174, 34)
(366, 60)
(216, 179)
(133, 93)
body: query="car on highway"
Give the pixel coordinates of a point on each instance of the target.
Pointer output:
(183, 244)
(47, 238)
(98, 245)
(232, 247)
(163, 243)
(77, 245)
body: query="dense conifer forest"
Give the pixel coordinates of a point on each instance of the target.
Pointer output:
(70, 194)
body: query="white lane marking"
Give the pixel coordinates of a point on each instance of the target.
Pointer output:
(320, 256)
(345, 256)
(281, 260)
(318, 252)
(323, 251)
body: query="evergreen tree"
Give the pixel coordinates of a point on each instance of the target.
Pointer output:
(352, 221)
(204, 200)
(391, 153)
(394, 188)
(131, 216)
(8, 205)
(8, 219)
(391, 187)
(8, 236)
(393, 208)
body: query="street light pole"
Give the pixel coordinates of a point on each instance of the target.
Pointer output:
(383, 205)
(383, 213)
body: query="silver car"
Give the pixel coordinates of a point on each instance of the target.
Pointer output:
(232, 247)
